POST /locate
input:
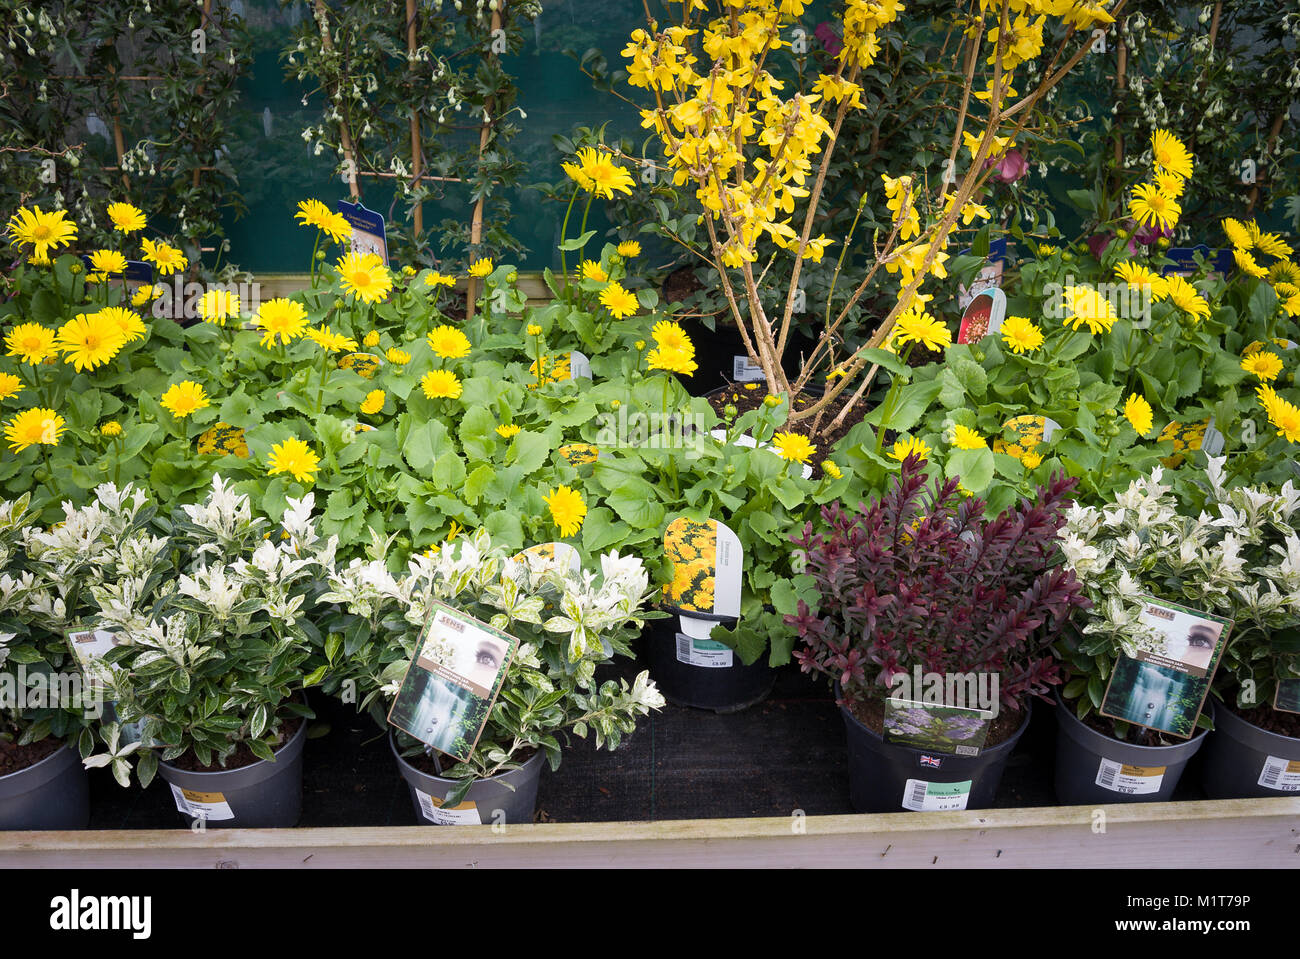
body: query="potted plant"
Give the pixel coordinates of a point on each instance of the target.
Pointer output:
(212, 662)
(568, 622)
(1175, 587)
(925, 601)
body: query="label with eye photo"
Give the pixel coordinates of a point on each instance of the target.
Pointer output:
(452, 682)
(1164, 686)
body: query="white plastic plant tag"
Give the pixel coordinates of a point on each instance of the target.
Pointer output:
(707, 561)
(1130, 780)
(745, 370)
(1281, 774)
(703, 652)
(579, 366)
(983, 315)
(201, 805)
(466, 814)
(922, 796)
(1212, 442)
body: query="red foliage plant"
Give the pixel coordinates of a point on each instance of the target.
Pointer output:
(921, 577)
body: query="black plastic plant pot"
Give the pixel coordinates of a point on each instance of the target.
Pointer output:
(52, 794)
(890, 777)
(262, 795)
(510, 797)
(1243, 761)
(1093, 768)
(700, 672)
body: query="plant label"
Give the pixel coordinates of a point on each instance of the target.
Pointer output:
(1164, 686)
(1287, 697)
(745, 370)
(956, 730)
(368, 232)
(436, 811)
(922, 796)
(88, 644)
(579, 366)
(990, 275)
(984, 315)
(201, 805)
(1280, 774)
(707, 560)
(1130, 780)
(452, 682)
(1184, 260)
(708, 653)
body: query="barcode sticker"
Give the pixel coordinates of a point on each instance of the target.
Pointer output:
(704, 652)
(209, 806)
(1130, 780)
(1281, 774)
(922, 796)
(745, 370)
(466, 814)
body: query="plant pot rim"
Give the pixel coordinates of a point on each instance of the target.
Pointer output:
(57, 754)
(1266, 734)
(1005, 746)
(1064, 710)
(302, 731)
(526, 765)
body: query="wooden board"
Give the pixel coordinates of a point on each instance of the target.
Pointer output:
(1258, 833)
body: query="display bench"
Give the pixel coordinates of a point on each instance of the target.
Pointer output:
(1256, 833)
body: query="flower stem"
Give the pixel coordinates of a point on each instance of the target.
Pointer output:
(564, 235)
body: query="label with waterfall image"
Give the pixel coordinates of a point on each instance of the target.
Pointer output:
(452, 682)
(922, 796)
(1281, 774)
(1130, 780)
(703, 652)
(202, 805)
(466, 814)
(1165, 685)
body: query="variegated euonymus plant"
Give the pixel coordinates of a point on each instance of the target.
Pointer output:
(217, 639)
(47, 578)
(1236, 554)
(568, 623)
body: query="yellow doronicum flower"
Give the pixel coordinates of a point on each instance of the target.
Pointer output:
(89, 341)
(1084, 305)
(917, 326)
(1263, 364)
(373, 403)
(1138, 412)
(147, 294)
(408, 271)
(591, 270)
(33, 427)
(1139, 277)
(793, 447)
(1238, 234)
(448, 342)
(1170, 155)
(216, 306)
(965, 438)
(126, 218)
(436, 279)
(507, 430)
(1249, 264)
(441, 384)
(128, 322)
(1283, 415)
(1149, 207)
(110, 428)
(107, 261)
(906, 447)
(31, 343)
(397, 357)
(281, 319)
(1031, 460)
(534, 330)
(596, 172)
(1186, 297)
(316, 214)
(330, 341)
(481, 267)
(294, 457)
(629, 249)
(830, 469)
(1021, 334)
(567, 509)
(42, 231)
(372, 339)
(365, 277)
(10, 385)
(1170, 184)
(167, 258)
(184, 398)
(670, 336)
(672, 361)
(620, 302)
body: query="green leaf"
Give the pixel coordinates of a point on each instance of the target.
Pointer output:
(637, 503)
(578, 242)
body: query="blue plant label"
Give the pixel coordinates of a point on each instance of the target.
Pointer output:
(1184, 260)
(137, 271)
(368, 232)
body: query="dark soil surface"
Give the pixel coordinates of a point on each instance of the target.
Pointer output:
(872, 715)
(1269, 719)
(15, 758)
(241, 757)
(745, 399)
(680, 284)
